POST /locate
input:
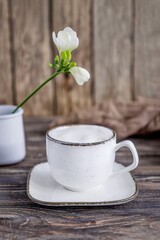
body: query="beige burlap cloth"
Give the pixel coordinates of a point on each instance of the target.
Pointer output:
(139, 117)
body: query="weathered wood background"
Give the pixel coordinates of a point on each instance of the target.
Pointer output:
(119, 45)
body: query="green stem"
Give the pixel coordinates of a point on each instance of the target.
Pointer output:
(36, 90)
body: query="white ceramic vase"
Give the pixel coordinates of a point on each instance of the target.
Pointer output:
(12, 136)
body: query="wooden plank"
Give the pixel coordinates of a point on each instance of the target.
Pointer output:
(76, 14)
(5, 56)
(113, 49)
(32, 54)
(147, 48)
(90, 224)
(43, 223)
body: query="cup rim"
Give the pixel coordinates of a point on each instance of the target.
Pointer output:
(75, 143)
(11, 115)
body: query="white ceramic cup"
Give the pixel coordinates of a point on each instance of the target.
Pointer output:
(83, 166)
(12, 137)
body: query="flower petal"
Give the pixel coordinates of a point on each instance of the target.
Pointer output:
(80, 74)
(66, 39)
(70, 31)
(54, 37)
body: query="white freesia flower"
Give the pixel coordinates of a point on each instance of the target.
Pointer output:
(80, 74)
(66, 40)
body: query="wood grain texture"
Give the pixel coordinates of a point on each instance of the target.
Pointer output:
(119, 45)
(32, 54)
(147, 48)
(113, 49)
(5, 56)
(76, 14)
(22, 219)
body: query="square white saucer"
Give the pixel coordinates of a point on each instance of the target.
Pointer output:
(42, 189)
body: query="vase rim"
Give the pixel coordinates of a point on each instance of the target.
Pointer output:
(6, 111)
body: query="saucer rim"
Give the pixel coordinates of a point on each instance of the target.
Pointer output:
(81, 204)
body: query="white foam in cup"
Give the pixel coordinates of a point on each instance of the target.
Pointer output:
(81, 134)
(81, 157)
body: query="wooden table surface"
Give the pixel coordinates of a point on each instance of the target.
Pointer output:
(20, 218)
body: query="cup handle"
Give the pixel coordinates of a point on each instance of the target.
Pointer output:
(133, 150)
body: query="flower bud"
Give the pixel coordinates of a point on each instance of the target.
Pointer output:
(69, 55)
(50, 64)
(56, 59)
(63, 55)
(80, 74)
(66, 40)
(73, 64)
